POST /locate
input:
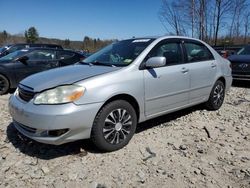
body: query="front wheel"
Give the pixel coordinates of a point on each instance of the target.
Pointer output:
(4, 85)
(217, 96)
(114, 126)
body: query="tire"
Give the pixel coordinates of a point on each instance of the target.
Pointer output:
(216, 96)
(114, 126)
(4, 85)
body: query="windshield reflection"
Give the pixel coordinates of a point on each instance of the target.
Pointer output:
(121, 53)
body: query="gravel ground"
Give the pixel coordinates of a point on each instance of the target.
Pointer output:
(190, 148)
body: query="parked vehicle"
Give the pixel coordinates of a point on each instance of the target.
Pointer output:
(125, 83)
(226, 53)
(241, 64)
(17, 65)
(14, 47)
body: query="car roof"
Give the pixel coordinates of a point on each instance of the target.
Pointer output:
(158, 38)
(33, 44)
(41, 48)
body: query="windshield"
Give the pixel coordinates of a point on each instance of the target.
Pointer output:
(14, 55)
(244, 51)
(121, 53)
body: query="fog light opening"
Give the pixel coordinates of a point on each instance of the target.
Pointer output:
(58, 132)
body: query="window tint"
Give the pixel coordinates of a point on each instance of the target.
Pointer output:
(244, 51)
(41, 55)
(171, 51)
(64, 55)
(67, 58)
(197, 52)
(17, 47)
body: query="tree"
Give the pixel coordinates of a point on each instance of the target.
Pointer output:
(246, 26)
(67, 43)
(239, 7)
(222, 7)
(170, 15)
(5, 35)
(31, 35)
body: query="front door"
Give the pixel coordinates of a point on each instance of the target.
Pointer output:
(38, 61)
(166, 88)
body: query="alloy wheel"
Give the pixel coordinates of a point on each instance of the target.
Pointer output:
(218, 95)
(117, 126)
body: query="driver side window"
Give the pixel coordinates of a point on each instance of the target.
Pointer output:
(41, 55)
(170, 50)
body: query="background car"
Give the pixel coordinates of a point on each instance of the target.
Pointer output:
(17, 65)
(241, 64)
(14, 47)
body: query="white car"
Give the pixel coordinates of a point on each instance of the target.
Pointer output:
(125, 83)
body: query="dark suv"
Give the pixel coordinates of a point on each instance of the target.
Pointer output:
(241, 64)
(17, 65)
(14, 47)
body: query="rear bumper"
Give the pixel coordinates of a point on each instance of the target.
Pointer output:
(229, 81)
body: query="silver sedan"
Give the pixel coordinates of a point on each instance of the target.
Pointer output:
(109, 93)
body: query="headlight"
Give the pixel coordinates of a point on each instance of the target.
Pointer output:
(59, 95)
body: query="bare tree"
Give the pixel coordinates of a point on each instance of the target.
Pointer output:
(246, 25)
(202, 19)
(170, 16)
(222, 8)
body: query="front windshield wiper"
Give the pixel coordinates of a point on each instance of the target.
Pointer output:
(97, 63)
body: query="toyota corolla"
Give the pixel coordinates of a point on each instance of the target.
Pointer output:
(105, 96)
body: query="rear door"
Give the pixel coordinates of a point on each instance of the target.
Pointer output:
(166, 88)
(38, 60)
(202, 68)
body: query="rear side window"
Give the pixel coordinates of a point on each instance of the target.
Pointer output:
(17, 47)
(64, 55)
(197, 52)
(67, 58)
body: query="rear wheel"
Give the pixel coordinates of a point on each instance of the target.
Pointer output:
(4, 85)
(216, 97)
(114, 126)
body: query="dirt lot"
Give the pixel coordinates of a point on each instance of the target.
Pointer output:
(190, 148)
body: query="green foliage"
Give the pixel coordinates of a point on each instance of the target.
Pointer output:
(31, 35)
(92, 45)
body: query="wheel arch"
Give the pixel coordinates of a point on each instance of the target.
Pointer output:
(126, 97)
(10, 83)
(223, 80)
(6, 75)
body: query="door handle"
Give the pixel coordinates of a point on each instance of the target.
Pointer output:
(213, 65)
(184, 70)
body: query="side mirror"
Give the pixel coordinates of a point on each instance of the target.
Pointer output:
(155, 62)
(23, 59)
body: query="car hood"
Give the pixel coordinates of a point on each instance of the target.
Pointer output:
(63, 76)
(239, 58)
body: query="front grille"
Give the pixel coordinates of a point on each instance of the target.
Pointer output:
(25, 94)
(240, 67)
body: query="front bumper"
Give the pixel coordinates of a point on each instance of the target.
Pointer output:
(35, 121)
(241, 76)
